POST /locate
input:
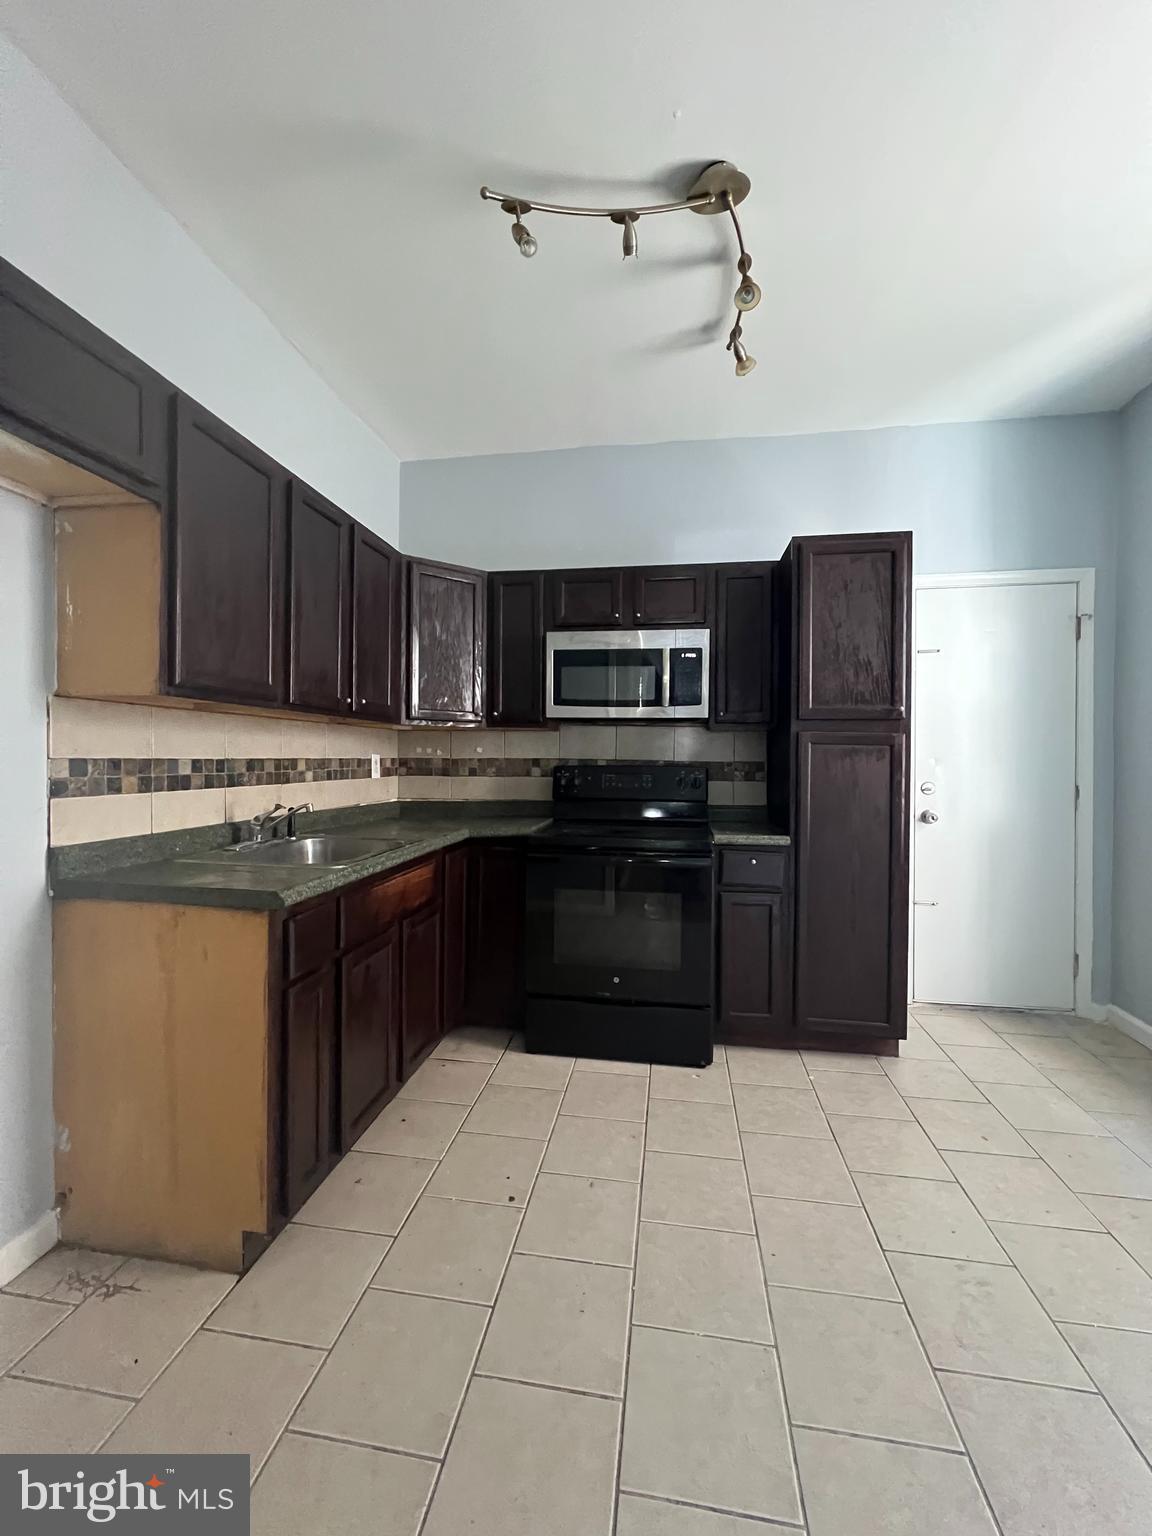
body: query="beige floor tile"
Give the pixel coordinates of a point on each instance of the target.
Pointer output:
(927, 1216)
(580, 1218)
(959, 1127)
(983, 1318)
(397, 1373)
(696, 1407)
(526, 1069)
(798, 1168)
(822, 1247)
(699, 1085)
(470, 1044)
(36, 1419)
(527, 1461)
(221, 1393)
(619, 1068)
(1121, 1366)
(121, 1342)
(1054, 1463)
(1049, 1053)
(304, 1288)
(413, 1128)
(66, 1274)
(780, 1111)
(1129, 1221)
(1019, 1189)
(456, 1249)
(503, 1111)
(996, 1066)
(1080, 1277)
(851, 1363)
(560, 1324)
(696, 1192)
(887, 1146)
(655, 1517)
(1106, 1092)
(708, 1130)
(959, 1029)
(1092, 1165)
(920, 1046)
(24, 1321)
(697, 1281)
(367, 1193)
(1135, 1131)
(601, 1149)
(847, 1093)
(1009, 1024)
(310, 1486)
(1041, 1109)
(1105, 1041)
(775, 1069)
(856, 1487)
(931, 1080)
(497, 1170)
(842, 1061)
(606, 1096)
(447, 1082)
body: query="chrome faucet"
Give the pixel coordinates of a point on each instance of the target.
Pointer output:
(265, 823)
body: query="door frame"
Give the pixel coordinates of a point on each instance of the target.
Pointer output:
(1084, 580)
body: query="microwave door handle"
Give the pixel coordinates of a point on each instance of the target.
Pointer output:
(666, 681)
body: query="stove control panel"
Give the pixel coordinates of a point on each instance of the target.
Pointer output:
(629, 781)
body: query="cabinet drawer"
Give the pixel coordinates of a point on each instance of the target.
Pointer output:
(762, 869)
(366, 912)
(310, 940)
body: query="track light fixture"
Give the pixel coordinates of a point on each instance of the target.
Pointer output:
(719, 188)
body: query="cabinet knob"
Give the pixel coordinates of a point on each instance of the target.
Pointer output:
(752, 861)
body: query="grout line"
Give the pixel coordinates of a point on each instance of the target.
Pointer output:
(550, 1386)
(66, 1313)
(264, 1338)
(629, 1328)
(960, 1450)
(772, 1522)
(72, 1386)
(1020, 1381)
(368, 1445)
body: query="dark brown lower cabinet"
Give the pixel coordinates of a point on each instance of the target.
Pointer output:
(852, 881)
(369, 1020)
(456, 862)
(422, 1017)
(755, 996)
(309, 1141)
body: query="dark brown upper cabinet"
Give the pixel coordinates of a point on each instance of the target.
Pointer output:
(852, 881)
(852, 601)
(516, 648)
(446, 624)
(67, 387)
(377, 601)
(669, 596)
(227, 513)
(587, 599)
(744, 666)
(319, 603)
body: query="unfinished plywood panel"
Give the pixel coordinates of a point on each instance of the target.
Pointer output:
(161, 1078)
(108, 600)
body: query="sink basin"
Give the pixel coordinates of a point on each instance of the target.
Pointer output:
(329, 850)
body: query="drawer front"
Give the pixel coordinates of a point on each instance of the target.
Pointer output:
(757, 869)
(367, 912)
(310, 940)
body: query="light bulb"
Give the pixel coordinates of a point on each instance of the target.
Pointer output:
(528, 245)
(525, 240)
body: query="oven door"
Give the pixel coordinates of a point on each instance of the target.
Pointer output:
(636, 928)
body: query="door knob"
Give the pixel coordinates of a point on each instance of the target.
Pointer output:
(929, 817)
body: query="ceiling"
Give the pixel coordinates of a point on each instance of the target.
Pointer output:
(951, 213)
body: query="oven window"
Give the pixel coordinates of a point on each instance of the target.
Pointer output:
(609, 678)
(617, 929)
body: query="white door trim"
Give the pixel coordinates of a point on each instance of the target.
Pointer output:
(1084, 580)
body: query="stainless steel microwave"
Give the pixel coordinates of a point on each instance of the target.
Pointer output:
(627, 674)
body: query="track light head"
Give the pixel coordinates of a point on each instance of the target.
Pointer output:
(524, 238)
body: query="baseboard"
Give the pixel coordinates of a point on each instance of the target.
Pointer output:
(28, 1246)
(1097, 1012)
(1130, 1024)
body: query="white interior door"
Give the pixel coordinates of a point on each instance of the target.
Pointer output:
(994, 797)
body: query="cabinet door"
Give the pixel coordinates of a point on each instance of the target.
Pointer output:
(744, 666)
(586, 599)
(376, 627)
(495, 991)
(852, 881)
(69, 388)
(853, 597)
(423, 1019)
(369, 1022)
(226, 608)
(446, 622)
(669, 596)
(516, 647)
(308, 1128)
(319, 582)
(456, 865)
(755, 996)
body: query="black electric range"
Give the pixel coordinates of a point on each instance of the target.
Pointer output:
(619, 947)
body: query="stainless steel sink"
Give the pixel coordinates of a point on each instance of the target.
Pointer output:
(329, 850)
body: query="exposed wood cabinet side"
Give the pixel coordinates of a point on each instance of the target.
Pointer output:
(447, 607)
(744, 670)
(308, 1129)
(369, 1031)
(853, 602)
(516, 647)
(320, 603)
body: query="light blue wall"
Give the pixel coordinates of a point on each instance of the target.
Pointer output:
(1010, 495)
(1132, 870)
